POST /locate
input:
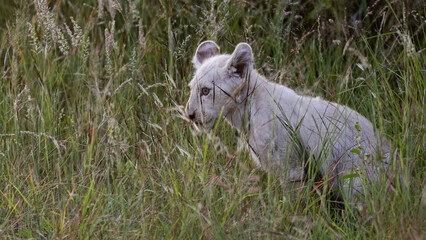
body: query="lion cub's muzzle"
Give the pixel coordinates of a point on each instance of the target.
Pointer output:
(191, 115)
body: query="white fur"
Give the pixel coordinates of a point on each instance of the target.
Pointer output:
(281, 125)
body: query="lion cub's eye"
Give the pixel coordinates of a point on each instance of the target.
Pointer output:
(205, 91)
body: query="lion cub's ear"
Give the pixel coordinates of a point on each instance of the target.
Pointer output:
(241, 61)
(204, 51)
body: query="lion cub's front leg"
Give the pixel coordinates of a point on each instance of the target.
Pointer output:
(277, 156)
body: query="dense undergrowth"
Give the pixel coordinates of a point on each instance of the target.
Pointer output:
(94, 142)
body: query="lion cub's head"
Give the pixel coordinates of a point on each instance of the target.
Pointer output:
(217, 82)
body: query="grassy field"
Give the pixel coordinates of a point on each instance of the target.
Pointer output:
(94, 143)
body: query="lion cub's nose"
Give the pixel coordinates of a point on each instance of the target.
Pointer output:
(192, 116)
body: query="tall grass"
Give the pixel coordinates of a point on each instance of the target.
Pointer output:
(94, 142)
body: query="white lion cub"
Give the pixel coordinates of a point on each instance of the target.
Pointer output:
(283, 128)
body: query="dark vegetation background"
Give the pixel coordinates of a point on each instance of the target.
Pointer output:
(94, 142)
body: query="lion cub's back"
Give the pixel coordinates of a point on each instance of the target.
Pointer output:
(344, 127)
